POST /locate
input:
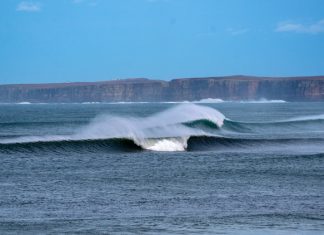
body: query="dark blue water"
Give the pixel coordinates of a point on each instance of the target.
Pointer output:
(162, 168)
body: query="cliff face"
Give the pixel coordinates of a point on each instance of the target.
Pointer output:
(226, 88)
(248, 88)
(110, 91)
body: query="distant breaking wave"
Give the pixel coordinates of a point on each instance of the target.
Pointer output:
(209, 100)
(262, 101)
(23, 103)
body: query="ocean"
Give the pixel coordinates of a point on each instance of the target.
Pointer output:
(162, 168)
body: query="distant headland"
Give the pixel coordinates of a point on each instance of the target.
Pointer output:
(233, 88)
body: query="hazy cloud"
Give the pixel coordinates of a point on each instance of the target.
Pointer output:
(28, 6)
(315, 28)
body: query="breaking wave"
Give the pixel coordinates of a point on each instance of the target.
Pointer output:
(184, 127)
(168, 130)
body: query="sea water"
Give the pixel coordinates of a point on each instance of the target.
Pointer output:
(167, 168)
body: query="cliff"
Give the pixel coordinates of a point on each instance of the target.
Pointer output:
(226, 88)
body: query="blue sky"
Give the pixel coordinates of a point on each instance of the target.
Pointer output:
(92, 40)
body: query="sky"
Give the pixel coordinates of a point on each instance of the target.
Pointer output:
(45, 41)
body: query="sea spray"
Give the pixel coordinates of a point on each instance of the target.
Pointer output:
(162, 131)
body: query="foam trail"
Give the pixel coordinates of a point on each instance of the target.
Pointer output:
(262, 101)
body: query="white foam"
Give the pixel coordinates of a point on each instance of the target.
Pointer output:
(209, 100)
(23, 103)
(167, 144)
